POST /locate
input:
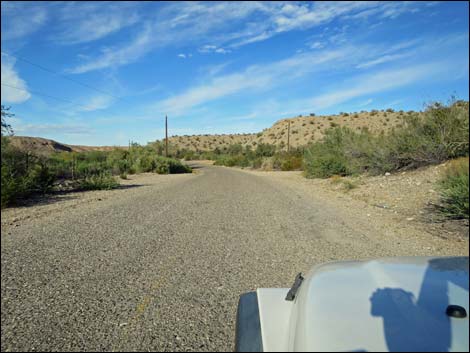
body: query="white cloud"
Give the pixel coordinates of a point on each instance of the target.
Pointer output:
(381, 60)
(265, 77)
(28, 129)
(377, 82)
(141, 45)
(222, 51)
(11, 78)
(365, 103)
(183, 56)
(213, 49)
(85, 22)
(97, 103)
(20, 19)
(317, 45)
(255, 77)
(228, 25)
(47, 129)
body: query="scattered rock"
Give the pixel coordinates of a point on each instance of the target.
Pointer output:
(387, 174)
(410, 219)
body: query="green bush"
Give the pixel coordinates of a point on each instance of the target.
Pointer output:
(291, 163)
(265, 150)
(24, 173)
(101, 181)
(438, 134)
(454, 187)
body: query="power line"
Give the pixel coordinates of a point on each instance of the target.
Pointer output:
(43, 94)
(61, 75)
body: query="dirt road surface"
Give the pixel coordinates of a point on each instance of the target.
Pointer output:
(160, 263)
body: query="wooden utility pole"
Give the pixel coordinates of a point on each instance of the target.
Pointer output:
(288, 135)
(166, 135)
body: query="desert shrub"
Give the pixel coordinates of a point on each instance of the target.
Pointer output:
(176, 167)
(102, 181)
(344, 151)
(232, 161)
(440, 133)
(265, 150)
(257, 163)
(325, 159)
(349, 185)
(454, 188)
(335, 179)
(235, 149)
(22, 174)
(291, 163)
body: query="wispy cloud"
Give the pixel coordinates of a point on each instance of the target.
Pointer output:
(301, 65)
(11, 79)
(29, 129)
(85, 22)
(142, 44)
(378, 82)
(98, 102)
(213, 49)
(229, 25)
(382, 59)
(365, 103)
(20, 19)
(255, 77)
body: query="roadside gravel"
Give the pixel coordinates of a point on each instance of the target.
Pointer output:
(160, 266)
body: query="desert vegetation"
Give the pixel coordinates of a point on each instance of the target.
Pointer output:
(413, 140)
(25, 173)
(454, 187)
(439, 134)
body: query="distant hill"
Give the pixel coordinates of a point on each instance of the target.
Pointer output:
(303, 130)
(42, 146)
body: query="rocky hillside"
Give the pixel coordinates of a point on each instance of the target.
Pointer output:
(303, 130)
(44, 147)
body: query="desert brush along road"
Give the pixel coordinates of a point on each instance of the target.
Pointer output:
(159, 264)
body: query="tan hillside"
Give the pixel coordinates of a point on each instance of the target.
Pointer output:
(44, 147)
(303, 130)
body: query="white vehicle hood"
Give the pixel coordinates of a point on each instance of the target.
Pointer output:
(396, 304)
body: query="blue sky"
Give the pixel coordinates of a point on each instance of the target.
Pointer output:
(115, 69)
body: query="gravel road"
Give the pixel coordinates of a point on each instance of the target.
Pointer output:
(160, 266)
